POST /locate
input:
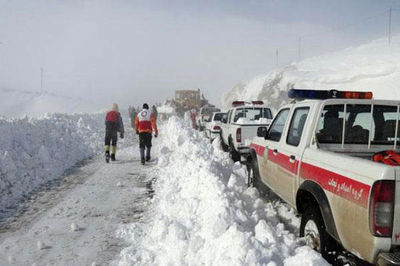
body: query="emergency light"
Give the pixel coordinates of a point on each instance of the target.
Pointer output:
(325, 94)
(239, 103)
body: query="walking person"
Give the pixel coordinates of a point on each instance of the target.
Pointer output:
(193, 118)
(155, 112)
(114, 125)
(132, 116)
(145, 124)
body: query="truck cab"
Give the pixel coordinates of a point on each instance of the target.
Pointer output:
(242, 122)
(318, 156)
(204, 115)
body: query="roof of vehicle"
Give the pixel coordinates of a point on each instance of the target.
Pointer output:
(345, 101)
(250, 106)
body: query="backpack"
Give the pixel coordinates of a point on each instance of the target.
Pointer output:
(388, 157)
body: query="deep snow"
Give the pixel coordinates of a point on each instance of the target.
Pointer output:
(76, 225)
(374, 67)
(35, 151)
(17, 103)
(203, 213)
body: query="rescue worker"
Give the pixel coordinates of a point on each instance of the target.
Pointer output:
(145, 124)
(193, 118)
(114, 125)
(155, 112)
(132, 116)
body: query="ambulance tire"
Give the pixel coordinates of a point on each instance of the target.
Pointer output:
(235, 156)
(224, 147)
(254, 178)
(312, 227)
(254, 175)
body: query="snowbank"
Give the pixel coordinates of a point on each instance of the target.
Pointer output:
(16, 103)
(246, 121)
(166, 109)
(204, 214)
(373, 67)
(34, 151)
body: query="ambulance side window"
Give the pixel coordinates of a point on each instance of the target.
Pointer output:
(297, 126)
(276, 128)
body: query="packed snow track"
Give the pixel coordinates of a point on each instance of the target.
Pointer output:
(73, 221)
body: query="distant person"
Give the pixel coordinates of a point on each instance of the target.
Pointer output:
(193, 118)
(155, 112)
(132, 116)
(145, 124)
(114, 125)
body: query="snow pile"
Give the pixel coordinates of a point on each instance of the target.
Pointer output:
(204, 214)
(34, 151)
(246, 121)
(16, 103)
(166, 109)
(373, 67)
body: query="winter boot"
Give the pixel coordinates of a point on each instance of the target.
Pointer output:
(142, 160)
(148, 154)
(113, 151)
(107, 154)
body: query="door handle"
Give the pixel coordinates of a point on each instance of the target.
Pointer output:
(275, 151)
(292, 158)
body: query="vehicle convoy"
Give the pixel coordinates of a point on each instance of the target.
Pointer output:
(186, 100)
(242, 122)
(325, 158)
(204, 115)
(213, 126)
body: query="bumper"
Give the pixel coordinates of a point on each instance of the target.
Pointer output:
(388, 259)
(243, 150)
(211, 134)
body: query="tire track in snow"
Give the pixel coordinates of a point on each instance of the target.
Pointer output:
(73, 221)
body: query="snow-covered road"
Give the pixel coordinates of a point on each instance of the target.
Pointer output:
(75, 222)
(199, 211)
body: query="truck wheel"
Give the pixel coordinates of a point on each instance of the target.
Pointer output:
(235, 156)
(223, 145)
(312, 227)
(252, 180)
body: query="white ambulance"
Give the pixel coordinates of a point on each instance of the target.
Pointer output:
(241, 124)
(318, 155)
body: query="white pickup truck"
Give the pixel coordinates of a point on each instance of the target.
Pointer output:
(204, 115)
(213, 125)
(241, 125)
(317, 155)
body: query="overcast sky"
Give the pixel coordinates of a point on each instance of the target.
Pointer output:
(136, 51)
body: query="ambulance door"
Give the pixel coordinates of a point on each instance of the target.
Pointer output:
(290, 154)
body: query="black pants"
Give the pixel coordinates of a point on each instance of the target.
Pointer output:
(145, 140)
(111, 138)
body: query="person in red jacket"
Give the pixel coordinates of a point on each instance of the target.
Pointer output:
(114, 125)
(145, 124)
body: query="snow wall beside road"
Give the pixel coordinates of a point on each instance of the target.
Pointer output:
(374, 67)
(35, 151)
(204, 214)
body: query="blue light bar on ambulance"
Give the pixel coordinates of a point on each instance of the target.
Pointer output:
(323, 94)
(239, 103)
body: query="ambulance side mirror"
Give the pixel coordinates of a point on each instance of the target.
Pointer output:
(262, 132)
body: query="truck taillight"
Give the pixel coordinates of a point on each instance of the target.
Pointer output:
(239, 135)
(382, 208)
(216, 128)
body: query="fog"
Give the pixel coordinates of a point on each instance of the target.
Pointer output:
(132, 52)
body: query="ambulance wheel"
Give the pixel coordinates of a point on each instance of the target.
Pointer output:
(223, 145)
(312, 228)
(253, 174)
(235, 156)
